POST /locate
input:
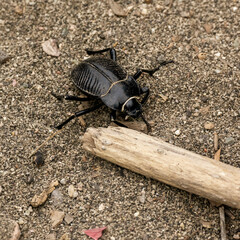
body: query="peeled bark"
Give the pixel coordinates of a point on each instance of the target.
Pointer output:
(167, 163)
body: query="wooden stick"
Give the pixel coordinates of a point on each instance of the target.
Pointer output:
(222, 223)
(159, 160)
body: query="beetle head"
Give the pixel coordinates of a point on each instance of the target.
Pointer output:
(132, 107)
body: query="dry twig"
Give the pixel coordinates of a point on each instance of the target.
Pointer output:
(222, 223)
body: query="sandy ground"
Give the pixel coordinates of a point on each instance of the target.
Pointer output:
(203, 37)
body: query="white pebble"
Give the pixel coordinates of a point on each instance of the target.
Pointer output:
(218, 54)
(71, 192)
(63, 181)
(101, 207)
(177, 132)
(136, 214)
(235, 9)
(144, 11)
(21, 221)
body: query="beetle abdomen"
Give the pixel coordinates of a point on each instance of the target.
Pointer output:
(87, 80)
(95, 76)
(108, 67)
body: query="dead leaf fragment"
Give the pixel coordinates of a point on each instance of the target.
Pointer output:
(207, 27)
(117, 9)
(95, 233)
(52, 186)
(40, 199)
(50, 47)
(217, 155)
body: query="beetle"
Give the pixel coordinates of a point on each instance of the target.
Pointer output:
(102, 78)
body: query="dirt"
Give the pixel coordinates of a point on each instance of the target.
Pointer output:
(202, 37)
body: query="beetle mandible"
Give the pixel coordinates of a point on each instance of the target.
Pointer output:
(104, 79)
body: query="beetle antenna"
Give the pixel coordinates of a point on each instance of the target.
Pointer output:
(149, 129)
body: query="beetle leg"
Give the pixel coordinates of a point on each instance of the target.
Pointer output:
(113, 119)
(152, 71)
(137, 74)
(71, 98)
(74, 98)
(149, 128)
(144, 90)
(112, 51)
(78, 114)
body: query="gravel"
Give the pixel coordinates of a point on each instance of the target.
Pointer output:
(202, 37)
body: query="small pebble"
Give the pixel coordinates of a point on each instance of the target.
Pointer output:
(136, 214)
(3, 57)
(209, 125)
(218, 54)
(28, 212)
(236, 236)
(51, 48)
(159, 8)
(25, 85)
(56, 217)
(21, 221)
(234, 9)
(51, 236)
(71, 192)
(207, 27)
(142, 198)
(144, 11)
(177, 132)
(217, 71)
(68, 218)
(65, 237)
(101, 207)
(1, 189)
(229, 140)
(9, 229)
(57, 197)
(202, 56)
(236, 43)
(63, 181)
(182, 225)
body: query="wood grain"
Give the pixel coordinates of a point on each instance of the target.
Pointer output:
(167, 163)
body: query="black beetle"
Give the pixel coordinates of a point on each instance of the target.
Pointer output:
(103, 78)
